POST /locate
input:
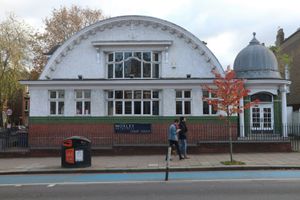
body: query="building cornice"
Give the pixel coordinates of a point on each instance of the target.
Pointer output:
(133, 43)
(155, 83)
(267, 81)
(146, 82)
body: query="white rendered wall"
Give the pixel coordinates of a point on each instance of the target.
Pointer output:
(98, 103)
(38, 102)
(70, 109)
(168, 102)
(197, 103)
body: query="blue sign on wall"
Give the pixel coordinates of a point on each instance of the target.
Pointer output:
(132, 128)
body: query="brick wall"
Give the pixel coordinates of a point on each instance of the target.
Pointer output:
(103, 134)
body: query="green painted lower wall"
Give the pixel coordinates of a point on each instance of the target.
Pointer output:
(247, 116)
(133, 119)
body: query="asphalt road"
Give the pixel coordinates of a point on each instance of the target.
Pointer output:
(45, 179)
(173, 190)
(242, 185)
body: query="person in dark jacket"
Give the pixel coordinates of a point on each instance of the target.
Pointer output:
(183, 137)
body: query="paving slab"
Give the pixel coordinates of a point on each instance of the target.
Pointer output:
(153, 163)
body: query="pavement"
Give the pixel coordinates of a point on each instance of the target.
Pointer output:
(151, 163)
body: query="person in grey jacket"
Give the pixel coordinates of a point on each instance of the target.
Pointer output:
(173, 138)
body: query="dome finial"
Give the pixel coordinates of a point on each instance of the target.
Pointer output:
(254, 40)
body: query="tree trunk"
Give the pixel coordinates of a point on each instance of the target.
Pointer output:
(1, 119)
(230, 140)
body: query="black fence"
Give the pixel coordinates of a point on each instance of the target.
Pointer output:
(14, 139)
(21, 140)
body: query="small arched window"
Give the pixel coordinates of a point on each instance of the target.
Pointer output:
(262, 97)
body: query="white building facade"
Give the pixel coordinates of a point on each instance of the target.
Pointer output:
(136, 69)
(131, 65)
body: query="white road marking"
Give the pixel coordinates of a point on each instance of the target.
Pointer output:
(161, 181)
(51, 185)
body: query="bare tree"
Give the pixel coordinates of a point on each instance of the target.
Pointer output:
(61, 25)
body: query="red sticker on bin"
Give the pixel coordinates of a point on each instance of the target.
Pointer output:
(68, 143)
(70, 156)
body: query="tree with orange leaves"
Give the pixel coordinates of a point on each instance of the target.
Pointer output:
(227, 92)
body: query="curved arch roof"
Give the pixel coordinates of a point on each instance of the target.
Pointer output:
(110, 23)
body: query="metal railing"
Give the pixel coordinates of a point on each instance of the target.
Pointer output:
(13, 140)
(106, 137)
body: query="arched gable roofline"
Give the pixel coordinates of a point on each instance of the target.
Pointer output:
(109, 23)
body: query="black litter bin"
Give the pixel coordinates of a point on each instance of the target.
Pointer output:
(76, 152)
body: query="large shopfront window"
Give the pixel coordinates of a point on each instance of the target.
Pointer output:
(133, 102)
(133, 64)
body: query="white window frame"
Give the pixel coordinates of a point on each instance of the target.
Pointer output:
(132, 100)
(261, 106)
(210, 107)
(152, 62)
(83, 99)
(183, 99)
(57, 100)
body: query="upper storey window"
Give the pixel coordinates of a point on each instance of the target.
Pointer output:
(133, 64)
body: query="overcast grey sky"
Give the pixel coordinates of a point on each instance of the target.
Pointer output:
(226, 25)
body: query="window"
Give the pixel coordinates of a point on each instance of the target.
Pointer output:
(262, 117)
(183, 102)
(133, 102)
(133, 64)
(56, 99)
(208, 109)
(262, 97)
(83, 102)
(26, 109)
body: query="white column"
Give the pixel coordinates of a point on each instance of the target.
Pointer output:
(283, 110)
(241, 118)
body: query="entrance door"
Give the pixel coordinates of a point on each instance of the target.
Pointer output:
(262, 117)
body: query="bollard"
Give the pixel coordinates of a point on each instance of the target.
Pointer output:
(167, 163)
